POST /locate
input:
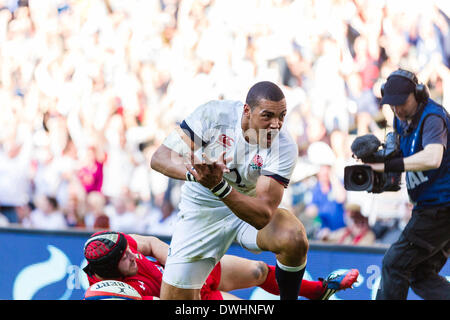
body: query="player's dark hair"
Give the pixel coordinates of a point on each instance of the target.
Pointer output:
(53, 202)
(263, 90)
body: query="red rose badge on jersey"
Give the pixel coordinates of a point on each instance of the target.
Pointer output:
(257, 162)
(225, 140)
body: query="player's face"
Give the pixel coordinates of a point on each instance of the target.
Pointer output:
(266, 120)
(127, 265)
(407, 110)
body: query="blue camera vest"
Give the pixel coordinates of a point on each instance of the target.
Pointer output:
(431, 187)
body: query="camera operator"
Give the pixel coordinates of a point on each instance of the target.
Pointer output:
(422, 249)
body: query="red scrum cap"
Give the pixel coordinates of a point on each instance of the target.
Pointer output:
(103, 251)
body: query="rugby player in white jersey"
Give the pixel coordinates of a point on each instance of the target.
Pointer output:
(240, 164)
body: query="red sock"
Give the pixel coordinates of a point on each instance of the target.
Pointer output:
(309, 289)
(271, 285)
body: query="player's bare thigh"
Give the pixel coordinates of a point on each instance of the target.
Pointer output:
(240, 273)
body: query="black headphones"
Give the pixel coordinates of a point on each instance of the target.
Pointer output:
(420, 91)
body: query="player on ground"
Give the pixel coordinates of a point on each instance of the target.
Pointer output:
(240, 162)
(113, 255)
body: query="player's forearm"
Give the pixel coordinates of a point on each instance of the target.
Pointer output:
(169, 163)
(151, 246)
(255, 211)
(160, 250)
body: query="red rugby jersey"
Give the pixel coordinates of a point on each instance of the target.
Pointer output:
(149, 277)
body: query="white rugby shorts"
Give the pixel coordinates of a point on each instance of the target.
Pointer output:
(201, 237)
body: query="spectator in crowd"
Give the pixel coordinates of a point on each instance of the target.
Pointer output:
(161, 221)
(91, 170)
(328, 194)
(95, 216)
(73, 212)
(388, 230)
(47, 215)
(340, 145)
(23, 214)
(356, 231)
(367, 108)
(123, 216)
(15, 182)
(387, 212)
(120, 158)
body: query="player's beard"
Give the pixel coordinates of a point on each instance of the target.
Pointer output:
(132, 269)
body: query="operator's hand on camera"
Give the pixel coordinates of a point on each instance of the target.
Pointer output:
(379, 167)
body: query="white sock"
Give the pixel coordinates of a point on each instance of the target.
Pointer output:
(290, 269)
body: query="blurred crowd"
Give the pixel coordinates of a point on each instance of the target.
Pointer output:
(90, 88)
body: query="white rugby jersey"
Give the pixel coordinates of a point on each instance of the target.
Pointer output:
(216, 126)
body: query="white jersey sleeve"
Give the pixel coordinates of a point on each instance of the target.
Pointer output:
(203, 124)
(175, 142)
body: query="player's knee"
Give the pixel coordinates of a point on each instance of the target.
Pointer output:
(300, 243)
(259, 272)
(294, 241)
